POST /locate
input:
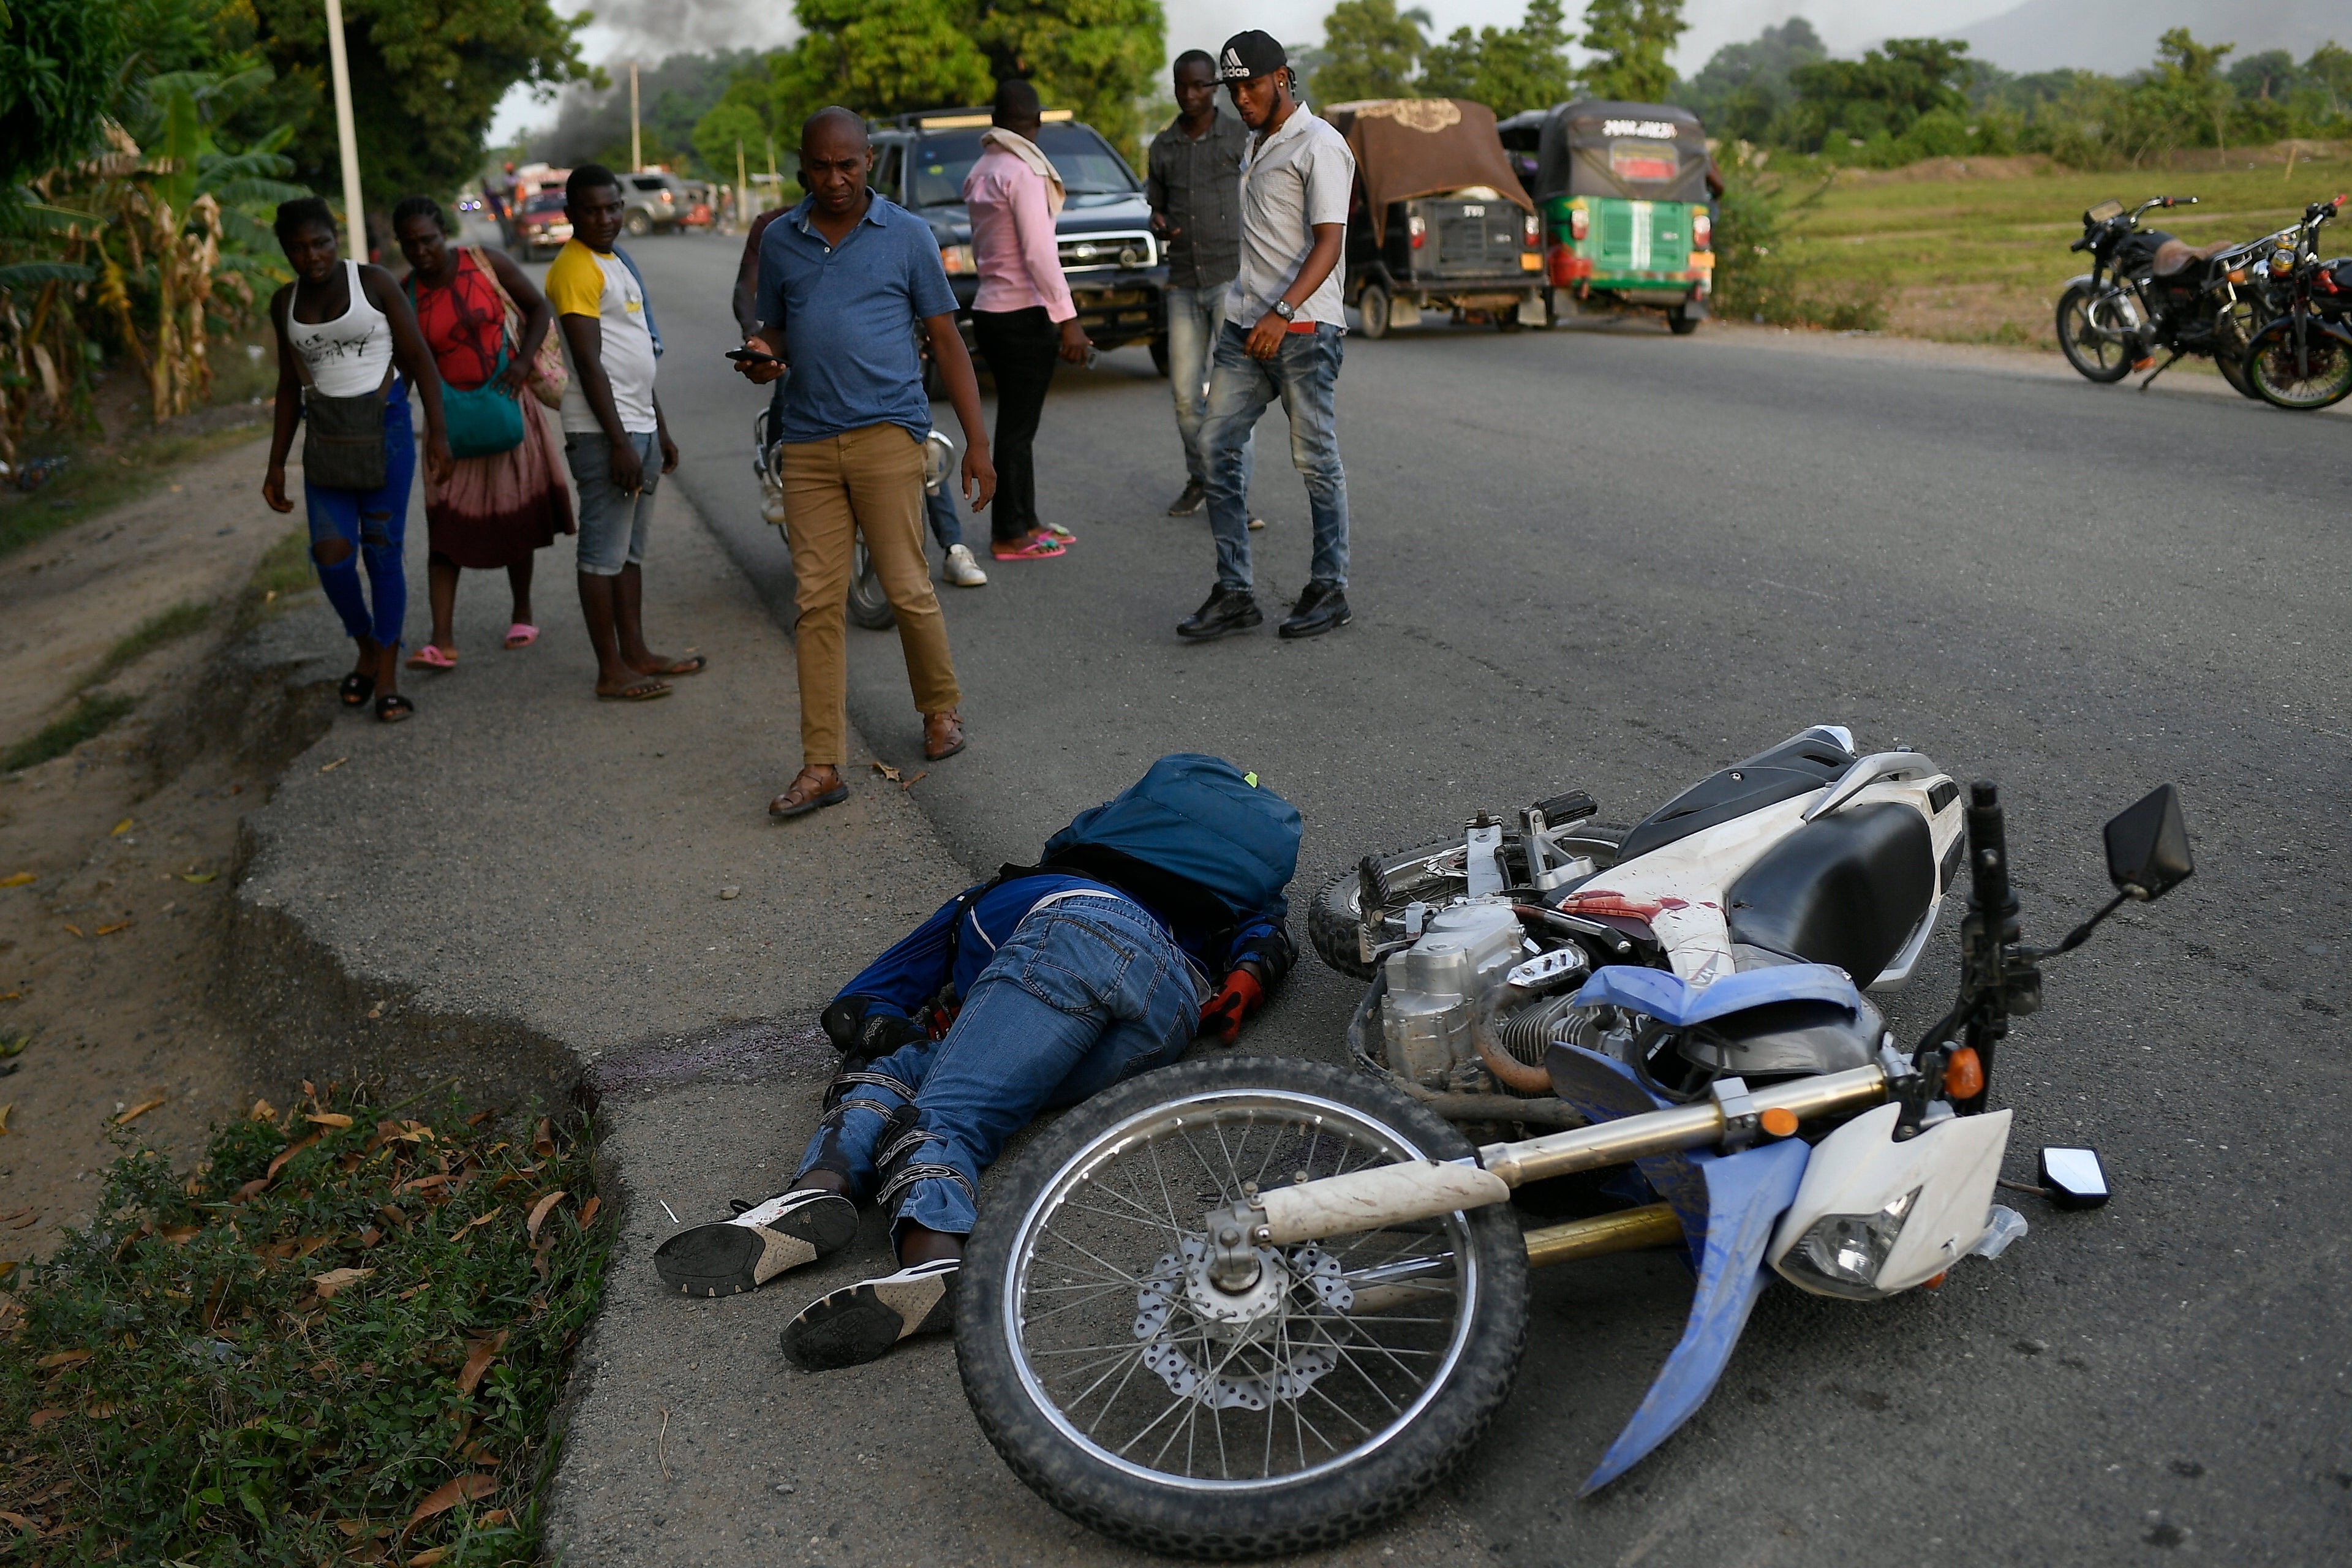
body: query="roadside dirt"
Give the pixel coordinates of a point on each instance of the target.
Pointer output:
(107, 954)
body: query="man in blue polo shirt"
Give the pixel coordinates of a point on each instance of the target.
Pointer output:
(846, 278)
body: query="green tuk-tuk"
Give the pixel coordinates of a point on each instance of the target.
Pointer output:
(1622, 190)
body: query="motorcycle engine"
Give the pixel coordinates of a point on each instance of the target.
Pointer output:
(1434, 988)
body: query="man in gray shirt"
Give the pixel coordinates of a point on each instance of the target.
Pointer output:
(1281, 339)
(1192, 181)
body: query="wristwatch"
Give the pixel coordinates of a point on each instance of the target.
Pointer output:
(1286, 310)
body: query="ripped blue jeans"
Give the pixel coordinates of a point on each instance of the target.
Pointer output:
(374, 523)
(1085, 992)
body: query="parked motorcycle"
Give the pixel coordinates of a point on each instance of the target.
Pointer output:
(2147, 291)
(1242, 1305)
(2302, 359)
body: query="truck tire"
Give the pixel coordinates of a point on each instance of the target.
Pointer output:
(1681, 323)
(1372, 311)
(1159, 355)
(638, 224)
(1418, 1417)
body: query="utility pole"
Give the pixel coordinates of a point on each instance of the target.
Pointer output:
(742, 189)
(339, 67)
(636, 144)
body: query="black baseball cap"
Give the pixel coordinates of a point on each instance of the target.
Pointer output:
(1250, 54)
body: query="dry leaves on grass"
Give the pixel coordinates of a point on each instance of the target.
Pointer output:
(539, 1212)
(448, 1495)
(479, 1353)
(335, 1280)
(21, 879)
(335, 1119)
(138, 1110)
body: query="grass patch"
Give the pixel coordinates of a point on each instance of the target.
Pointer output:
(91, 713)
(92, 481)
(284, 569)
(1968, 257)
(183, 619)
(338, 1339)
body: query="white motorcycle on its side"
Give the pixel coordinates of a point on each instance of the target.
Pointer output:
(1242, 1305)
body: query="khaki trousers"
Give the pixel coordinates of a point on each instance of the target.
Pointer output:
(869, 479)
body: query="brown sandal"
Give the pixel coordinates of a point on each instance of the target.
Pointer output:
(809, 792)
(942, 735)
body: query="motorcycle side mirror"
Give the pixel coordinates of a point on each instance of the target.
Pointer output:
(2148, 846)
(2074, 1178)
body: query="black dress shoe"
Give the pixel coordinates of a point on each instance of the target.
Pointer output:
(1225, 610)
(1323, 606)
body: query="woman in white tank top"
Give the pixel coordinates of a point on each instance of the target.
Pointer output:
(343, 329)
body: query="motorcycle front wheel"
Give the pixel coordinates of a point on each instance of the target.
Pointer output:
(1123, 1387)
(2232, 333)
(2094, 333)
(869, 607)
(2315, 376)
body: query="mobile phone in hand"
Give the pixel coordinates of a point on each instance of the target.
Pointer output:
(753, 356)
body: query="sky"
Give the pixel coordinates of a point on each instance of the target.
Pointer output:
(650, 29)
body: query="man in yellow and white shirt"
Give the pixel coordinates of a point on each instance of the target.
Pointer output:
(612, 423)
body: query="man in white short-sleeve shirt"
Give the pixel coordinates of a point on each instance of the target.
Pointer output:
(1281, 340)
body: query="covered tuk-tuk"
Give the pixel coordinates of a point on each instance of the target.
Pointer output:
(1622, 188)
(1437, 221)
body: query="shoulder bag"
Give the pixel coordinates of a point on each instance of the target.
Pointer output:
(343, 437)
(482, 421)
(548, 376)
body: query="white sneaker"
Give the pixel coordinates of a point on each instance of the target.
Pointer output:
(1255, 523)
(963, 570)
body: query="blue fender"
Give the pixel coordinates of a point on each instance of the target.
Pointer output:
(1746, 1196)
(1729, 1204)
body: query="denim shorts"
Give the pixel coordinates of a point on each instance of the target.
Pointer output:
(613, 526)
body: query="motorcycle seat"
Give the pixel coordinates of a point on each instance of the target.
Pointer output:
(1845, 890)
(2176, 256)
(1798, 765)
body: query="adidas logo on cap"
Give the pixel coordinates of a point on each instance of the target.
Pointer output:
(1235, 69)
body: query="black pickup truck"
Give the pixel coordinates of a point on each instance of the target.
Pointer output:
(1118, 276)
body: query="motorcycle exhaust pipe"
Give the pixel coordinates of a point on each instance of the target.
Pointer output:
(1398, 1195)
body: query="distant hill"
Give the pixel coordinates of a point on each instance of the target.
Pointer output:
(2119, 36)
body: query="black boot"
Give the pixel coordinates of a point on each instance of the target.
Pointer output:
(1323, 606)
(1225, 610)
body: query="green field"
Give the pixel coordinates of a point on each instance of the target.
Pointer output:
(1980, 260)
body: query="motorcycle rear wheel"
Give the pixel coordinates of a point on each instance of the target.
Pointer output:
(2323, 378)
(2103, 354)
(1116, 1398)
(869, 605)
(2231, 334)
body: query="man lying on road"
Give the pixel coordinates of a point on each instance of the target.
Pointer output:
(1052, 983)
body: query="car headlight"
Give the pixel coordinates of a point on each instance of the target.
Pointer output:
(958, 260)
(1842, 1253)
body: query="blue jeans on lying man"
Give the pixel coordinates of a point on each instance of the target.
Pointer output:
(1305, 375)
(1087, 991)
(374, 523)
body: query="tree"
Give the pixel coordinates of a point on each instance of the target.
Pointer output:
(2329, 71)
(1743, 86)
(1099, 58)
(728, 127)
(2188, 82)
(1507, 69)
(1632, 39)
(1880, 96)
(1371, 49)
(59, 62)
(426, 75)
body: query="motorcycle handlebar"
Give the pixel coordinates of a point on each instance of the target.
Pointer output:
(1989, 857)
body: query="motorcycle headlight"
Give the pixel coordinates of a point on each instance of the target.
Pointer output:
(1842, 1253)
(2282, 263)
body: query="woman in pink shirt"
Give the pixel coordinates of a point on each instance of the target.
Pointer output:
(1022, 316)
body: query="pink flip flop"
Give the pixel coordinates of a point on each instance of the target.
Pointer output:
(430, 656)
(522, 636)
(1036, 550)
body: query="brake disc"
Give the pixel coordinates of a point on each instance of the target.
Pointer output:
(1180, 1278)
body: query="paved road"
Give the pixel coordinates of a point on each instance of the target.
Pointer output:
(1616, 561)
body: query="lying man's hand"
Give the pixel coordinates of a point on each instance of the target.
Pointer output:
(1223, 1013)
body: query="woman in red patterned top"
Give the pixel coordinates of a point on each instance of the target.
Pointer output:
(495, 510)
